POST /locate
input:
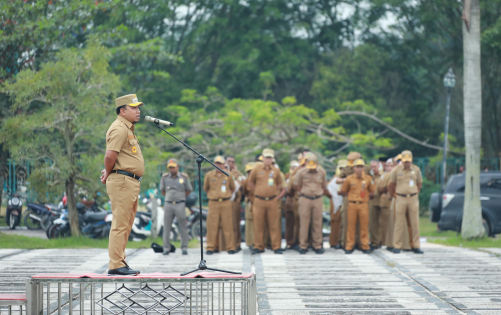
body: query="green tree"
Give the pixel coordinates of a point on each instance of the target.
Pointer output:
(59, 116)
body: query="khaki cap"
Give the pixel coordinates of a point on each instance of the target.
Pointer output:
(249, 166)
(406, 156)
(268, 153)
(219, 159)
(129, 99)
(359, 162)
(172, 163)
(342, 163)
(352, 156)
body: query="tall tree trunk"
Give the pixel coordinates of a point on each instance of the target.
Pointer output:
(472, 88)
(72, 206)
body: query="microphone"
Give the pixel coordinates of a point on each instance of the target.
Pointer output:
(158, 121)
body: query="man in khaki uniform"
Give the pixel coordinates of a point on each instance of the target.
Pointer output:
(337, 204)
(405, 184)
(374, 209)
(236, 200)
(311, 184)
(175, 187)
(347, 171)
(219, 189)
(123, 170)
(357, 189)
(290, 216)
(249, 222)
(265, 183)
(386, 218)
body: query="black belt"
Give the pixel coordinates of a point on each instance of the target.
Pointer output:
(356, 201)
(220, 199)
(127, 174)
(265, 198)
(407, 195)
(310, 197)
(174, 202)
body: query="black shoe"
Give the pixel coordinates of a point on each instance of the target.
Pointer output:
(389, 248)
(238, 249)
(346, 251)
(395, 251)
(278, 251)
(209, 252)
(123, 271)
(257, 251)
(185, 251)
(232, 251)
(302, 251)
(319, 251)
(337, 246)
(417, 251)
(166, 252)
(366, 251)
(294, 247)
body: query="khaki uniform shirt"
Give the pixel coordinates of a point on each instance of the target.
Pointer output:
(218, 186)
(175, 186)
(384, 198)
(311, 182)
(267, 181)
(120, 138)
(406, 181)
(237, 178)
(375, 181)
(358, 189)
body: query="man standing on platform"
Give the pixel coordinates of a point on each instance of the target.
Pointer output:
(123, 170)
(405, 184)
(175, 187)
(311, 184)
(265, 183)
(374, 209)
(357, 189)
(219, 189)
(337, 204)
(236, 200)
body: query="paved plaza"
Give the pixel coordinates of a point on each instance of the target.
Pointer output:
(445, 280)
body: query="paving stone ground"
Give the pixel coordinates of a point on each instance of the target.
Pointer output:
(445, 280)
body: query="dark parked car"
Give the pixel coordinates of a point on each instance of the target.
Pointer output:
(448, 210)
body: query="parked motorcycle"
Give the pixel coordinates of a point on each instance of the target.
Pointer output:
(93, 222)
(38, 216)
(14, 210)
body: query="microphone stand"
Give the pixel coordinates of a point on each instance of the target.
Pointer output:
(200, 158)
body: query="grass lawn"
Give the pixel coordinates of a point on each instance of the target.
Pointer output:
(429, 230)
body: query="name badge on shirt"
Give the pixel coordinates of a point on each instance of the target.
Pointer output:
(223, 188)
(411, 183)
(181, 181)
(271, 182)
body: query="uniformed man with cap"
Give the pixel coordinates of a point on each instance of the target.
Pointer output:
(405, 184)
(249, 222)
(265, 182)
(123, 170)
(219, 189)
(336, 207)
(290, 215)
(236, 199)
(175, 187)
(357, 189)
(386, 219)
(311, 184)
(374, 209)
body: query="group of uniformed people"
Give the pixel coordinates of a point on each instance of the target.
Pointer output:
(370, 206)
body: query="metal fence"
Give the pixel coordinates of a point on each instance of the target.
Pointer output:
(142, 295)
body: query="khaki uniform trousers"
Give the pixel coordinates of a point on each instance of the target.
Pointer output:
(249, 225)
(220, 215)
(123, 192)
(170, 211)
(310, 214)
(357, 213)
(266, 213)
(374, 224)
(386, 227)
(335, 236)
(406, 214)
(391, 228)
(237, 207)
